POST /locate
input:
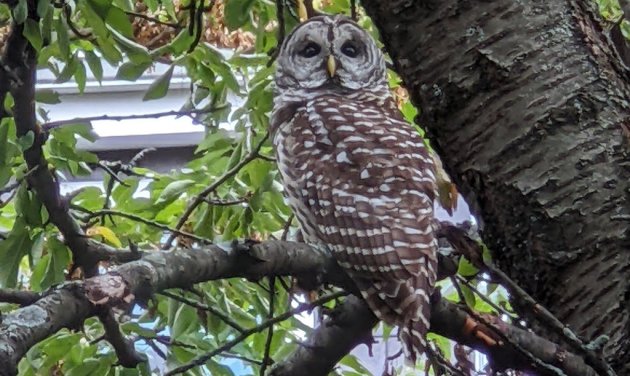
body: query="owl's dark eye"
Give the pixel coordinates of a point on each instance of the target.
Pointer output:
(350, 49)
(311, 49)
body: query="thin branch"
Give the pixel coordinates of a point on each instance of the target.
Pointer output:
(443, 362)
(21, 297)
(56, 124)
(257, 329)
(287, 227)
(19, 181)
(485, 298)
(225, 318)
(67, 11)
(140, 219)
(472, 251)
(155, 20)
(217, 202)
(166, 340)
(124, 348)
(266, 358)
(240, 357)
(253, 154)
(273, 53)
(353, 10)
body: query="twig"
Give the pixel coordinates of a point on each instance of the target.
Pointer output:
(140, 219)
(205, 307)
(484, 297)
(175, 26)
(287, 227)
(166, 340)
(266, 359)
(19, 181)
(353, 10)
(240, 357)
(443, 362)
(196, 18)
(217, 202)
(155, 348)
(310, 11)
(253, 154)
(257, 329)
(273, 54)
(68, 13)
(87, 119)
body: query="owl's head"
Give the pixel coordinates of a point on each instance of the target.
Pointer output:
(331, 52)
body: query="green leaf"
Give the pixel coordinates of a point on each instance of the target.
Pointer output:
(47, 96)
(185, 321)
(4, 141)
(159, 87)
(20, 11)
(173, 191)
(69, 69)
(51, 267)
(26, 141)
(136, 53)
(62, 38)
(33, 33)
(237, 13)
(131, 71)
(12, 250)
(94, 14)
(80, 77)
(258, 171)
(94, 62)
(87, 367)
(466, 269)
(177, 46)
(117, 18)
(42, 7)
(134, 327)
(469, 296)
(29, 206)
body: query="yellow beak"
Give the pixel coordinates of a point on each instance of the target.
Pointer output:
(331, 65)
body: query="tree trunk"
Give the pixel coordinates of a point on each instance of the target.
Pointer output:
(527, 104)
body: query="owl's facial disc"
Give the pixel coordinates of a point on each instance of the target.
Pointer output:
(330, 51)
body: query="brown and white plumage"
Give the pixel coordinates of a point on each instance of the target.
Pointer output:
(356, 174)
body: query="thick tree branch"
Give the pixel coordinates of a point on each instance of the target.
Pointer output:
(125, 350)
(350, 324)
(71, 303)
(21, 59)
(20, 297)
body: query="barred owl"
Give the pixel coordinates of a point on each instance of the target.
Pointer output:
(357, 176)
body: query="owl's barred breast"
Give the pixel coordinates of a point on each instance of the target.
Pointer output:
(359, 180)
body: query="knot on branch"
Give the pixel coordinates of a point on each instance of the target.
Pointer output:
(109, 289)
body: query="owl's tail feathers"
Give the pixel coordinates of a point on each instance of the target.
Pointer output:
(405, 304)
(413, 337)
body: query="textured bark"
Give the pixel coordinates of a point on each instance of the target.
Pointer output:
(526, 103)
(68, 305)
